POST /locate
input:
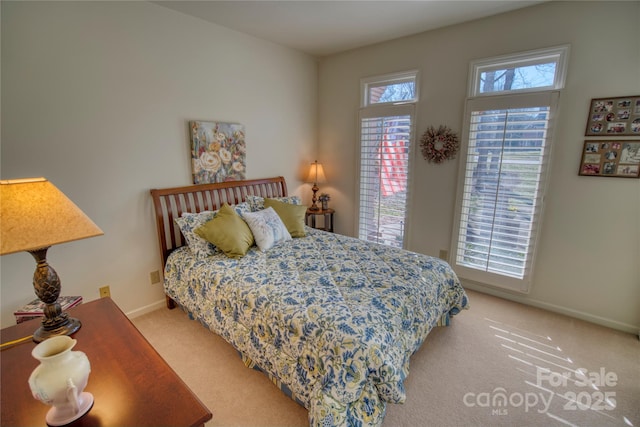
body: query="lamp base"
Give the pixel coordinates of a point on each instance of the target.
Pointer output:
(47, 286)
(62, 325)
(314, 199)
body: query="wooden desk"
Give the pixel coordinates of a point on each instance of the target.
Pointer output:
(131, 384)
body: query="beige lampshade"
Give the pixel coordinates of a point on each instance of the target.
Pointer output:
(316, 173)
(36, 215)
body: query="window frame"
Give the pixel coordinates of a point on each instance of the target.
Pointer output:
(512, 99)
(497, 102)
(395, 108)
(367, 82)
(558, 54)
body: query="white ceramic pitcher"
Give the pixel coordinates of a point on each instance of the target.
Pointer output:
(60, 379)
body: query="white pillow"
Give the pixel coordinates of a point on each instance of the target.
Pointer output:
(267, 228)
(256, 203)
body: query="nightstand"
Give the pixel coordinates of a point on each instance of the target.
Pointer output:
(310, 218)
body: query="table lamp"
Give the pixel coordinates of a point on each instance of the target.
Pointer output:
(316, 175)
(35, 216)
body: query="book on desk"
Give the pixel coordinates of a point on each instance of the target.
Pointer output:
(35, 308)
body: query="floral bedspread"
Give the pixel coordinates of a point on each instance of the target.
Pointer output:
(334, 318)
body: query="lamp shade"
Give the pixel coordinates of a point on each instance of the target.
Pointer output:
(316, 173)
(36, 215)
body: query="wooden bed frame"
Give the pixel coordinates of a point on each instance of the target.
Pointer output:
(171, 203)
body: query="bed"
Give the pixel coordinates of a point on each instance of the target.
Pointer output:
(331, 319)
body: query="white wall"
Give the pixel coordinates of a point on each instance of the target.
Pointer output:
(589, 259)
(96, 97)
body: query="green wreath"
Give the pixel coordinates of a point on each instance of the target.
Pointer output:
(439, 144)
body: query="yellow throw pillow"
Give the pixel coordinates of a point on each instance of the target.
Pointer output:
(291, 215)
(228, 231)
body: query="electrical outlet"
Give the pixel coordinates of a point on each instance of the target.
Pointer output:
(444, 254)
(105, 291)
(155, 277)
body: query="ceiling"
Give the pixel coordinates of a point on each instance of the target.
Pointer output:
(325, 27)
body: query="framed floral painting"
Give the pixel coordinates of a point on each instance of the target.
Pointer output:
(218, 152)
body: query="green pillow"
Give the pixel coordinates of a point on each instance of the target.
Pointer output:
(291, 215)
(228, 231)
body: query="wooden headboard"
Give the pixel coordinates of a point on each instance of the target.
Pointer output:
(170, 203)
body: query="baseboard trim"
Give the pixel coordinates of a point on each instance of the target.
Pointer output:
(598, 320)
(146, 309)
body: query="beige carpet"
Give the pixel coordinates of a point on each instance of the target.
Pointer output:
(486, 369)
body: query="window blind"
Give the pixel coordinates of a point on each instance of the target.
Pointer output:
(503, 186)
(384, 166)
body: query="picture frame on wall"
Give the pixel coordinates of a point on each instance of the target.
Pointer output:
(218, 151)
(611, 158)
(618, 116)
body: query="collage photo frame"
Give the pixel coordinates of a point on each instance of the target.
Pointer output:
(613, 158)
(616, 119)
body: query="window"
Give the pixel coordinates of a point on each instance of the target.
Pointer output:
(502, 178)
(390, 89)
(539, 70)
(386, 135)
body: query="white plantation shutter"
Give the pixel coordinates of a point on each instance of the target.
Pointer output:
(386, 135)
(502, 187)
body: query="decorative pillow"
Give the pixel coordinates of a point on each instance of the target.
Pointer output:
(241, 208)
(187, 223)
(267, 228)
(292, 215)
(228, 232)
(256, 203)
